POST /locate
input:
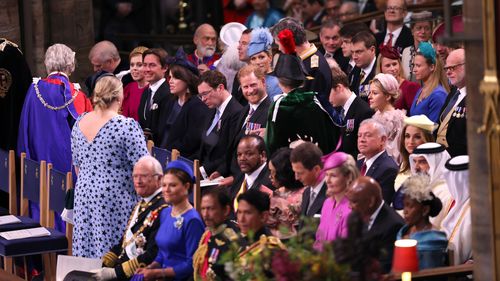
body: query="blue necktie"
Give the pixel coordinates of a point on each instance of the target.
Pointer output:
(214, 122)
(450, 105)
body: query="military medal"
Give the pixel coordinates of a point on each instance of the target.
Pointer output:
(213, 255)
(350, 125)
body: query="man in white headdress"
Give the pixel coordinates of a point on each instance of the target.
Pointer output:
(457, 223)
(430, 158)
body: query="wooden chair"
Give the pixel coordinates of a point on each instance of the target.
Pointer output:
(34, 188)
(8, 178)
(194, 196)
(58, 184)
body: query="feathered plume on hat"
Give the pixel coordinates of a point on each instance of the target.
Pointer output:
(181, 59)
(287, 41)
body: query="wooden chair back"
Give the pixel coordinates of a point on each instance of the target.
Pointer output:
(8, 178)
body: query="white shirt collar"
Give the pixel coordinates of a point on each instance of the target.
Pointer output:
(352, 63)
(374, 215)
(154, 87)
(223, 106)
(395, 35)
(369, 68)
(250, 178)
(256, 105)
(317, 188)
(369, 162)
(461, 96)
(349, 102)
(150, 197)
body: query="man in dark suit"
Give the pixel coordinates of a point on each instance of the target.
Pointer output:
(346, 33)
(253, 117)
(221, 127)
(352, 109)
(364, 56)
(452, 130)
(382, 223)
(156, 100)
(243, 57)
(377, 163)
(314, 13)
(396, 34)
(330, 43)
(307, 165)
(125, 258)
(251, 156)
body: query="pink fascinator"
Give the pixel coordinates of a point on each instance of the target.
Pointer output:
(333, 160)
(388, 81)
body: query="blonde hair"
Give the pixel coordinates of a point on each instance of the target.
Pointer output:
(137, 51)
(393, 94)
(349, 170)
(436, 78)
(378, 67)
(108, 89)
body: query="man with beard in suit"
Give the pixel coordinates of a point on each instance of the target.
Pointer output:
(138, 245)
(364, 56)
(253, 117)
(307, 165)
(396, 34)
(251, 157)
(221, 127)
(352, 109)
(381, 222)
(205, 40)
(452, 130)
(377, 163)
(156, 99)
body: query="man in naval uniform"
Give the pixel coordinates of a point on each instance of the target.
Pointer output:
(256, 238)
(217, 239)
(138, 246)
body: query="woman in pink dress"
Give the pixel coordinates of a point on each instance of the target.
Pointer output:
(384, 91)
(287, 198)
(133, 91)
(340, 173)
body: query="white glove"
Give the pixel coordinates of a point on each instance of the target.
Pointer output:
(104, 274)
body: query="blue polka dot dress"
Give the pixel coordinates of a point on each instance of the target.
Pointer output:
(104, 192)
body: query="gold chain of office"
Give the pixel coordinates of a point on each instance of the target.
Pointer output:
(55, 108)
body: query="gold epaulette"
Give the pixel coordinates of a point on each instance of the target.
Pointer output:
(230, 234)
(109, 259)
(265, 242)
(129, 267)
(199, 255)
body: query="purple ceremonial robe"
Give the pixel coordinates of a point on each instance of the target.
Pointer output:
(44, 133)
(333, 223)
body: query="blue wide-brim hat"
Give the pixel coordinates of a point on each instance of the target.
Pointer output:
(260, 40)
(183, 166)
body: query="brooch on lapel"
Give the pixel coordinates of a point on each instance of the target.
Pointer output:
(178, 222)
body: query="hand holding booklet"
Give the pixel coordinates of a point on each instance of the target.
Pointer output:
(207, 182)
(25, 233)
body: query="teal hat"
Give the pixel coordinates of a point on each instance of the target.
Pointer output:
(183, 166)
(260, 40)
(426, 49)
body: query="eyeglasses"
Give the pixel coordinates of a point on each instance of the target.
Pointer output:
(452, 67)
(394, 8)
(204, 94)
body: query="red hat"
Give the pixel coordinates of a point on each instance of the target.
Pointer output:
(457, 24)
(389, 52)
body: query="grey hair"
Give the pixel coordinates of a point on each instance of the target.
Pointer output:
(103, 51)
(153, 163)
(60, 58)
(418, 187)
(376, 124)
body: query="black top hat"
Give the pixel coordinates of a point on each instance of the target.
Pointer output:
(291, 67)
